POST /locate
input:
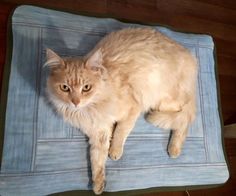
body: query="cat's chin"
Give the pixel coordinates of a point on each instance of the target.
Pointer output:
(75, 108)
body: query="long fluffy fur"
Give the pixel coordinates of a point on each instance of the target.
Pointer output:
(131, 71)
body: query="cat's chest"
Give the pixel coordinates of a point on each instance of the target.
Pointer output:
(91, 119)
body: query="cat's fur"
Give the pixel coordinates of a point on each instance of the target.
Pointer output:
(130, 71)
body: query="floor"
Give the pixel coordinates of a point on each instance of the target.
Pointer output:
(214, 17)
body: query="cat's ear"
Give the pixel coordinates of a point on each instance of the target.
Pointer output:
(95, 61)
(53, 59)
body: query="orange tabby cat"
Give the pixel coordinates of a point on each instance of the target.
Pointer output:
(131, 71)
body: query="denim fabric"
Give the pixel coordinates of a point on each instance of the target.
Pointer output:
(42, 154)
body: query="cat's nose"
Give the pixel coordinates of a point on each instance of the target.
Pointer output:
(75, 102)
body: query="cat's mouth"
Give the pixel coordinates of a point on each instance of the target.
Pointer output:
(75, 106)
(78, 106)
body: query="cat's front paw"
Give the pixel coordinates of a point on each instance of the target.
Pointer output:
(115, 152)
(98, 187)
(98, 180)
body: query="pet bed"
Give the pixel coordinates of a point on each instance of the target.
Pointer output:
(43, 155)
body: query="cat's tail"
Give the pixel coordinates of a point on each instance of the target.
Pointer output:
(179, 120)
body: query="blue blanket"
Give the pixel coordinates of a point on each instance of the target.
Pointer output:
(42, 154)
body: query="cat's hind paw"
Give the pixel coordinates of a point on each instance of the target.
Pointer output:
(174, 151)
(151, 118)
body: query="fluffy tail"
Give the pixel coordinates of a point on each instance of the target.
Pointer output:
(179, 120)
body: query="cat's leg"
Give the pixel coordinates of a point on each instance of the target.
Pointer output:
(121, 132)
(99, 146)
(177, 139)
(169, 105)
(177, 117)
(166, 120)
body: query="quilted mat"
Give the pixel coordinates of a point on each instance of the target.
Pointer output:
(42, 154)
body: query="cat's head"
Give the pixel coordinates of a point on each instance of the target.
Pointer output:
(75, 82)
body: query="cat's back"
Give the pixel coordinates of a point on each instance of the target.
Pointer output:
(129, 38)
(134, 45)
(120, 45)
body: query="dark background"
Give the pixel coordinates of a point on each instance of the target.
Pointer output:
(214, 17)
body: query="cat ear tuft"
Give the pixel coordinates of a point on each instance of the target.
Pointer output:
(53, 59)
(95, 61)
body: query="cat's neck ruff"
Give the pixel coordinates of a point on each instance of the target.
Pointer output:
(86, 118)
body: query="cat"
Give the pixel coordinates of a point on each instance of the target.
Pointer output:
(129, 72)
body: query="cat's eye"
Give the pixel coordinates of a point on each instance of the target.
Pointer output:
(64, 88)
(86, 87)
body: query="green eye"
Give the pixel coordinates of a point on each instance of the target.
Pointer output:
(64, 88)
(87, 87)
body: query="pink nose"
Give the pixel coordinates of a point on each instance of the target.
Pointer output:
(75, 101)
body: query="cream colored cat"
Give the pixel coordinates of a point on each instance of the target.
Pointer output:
(131, 71)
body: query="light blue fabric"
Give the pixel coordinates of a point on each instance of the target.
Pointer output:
(43, 155)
